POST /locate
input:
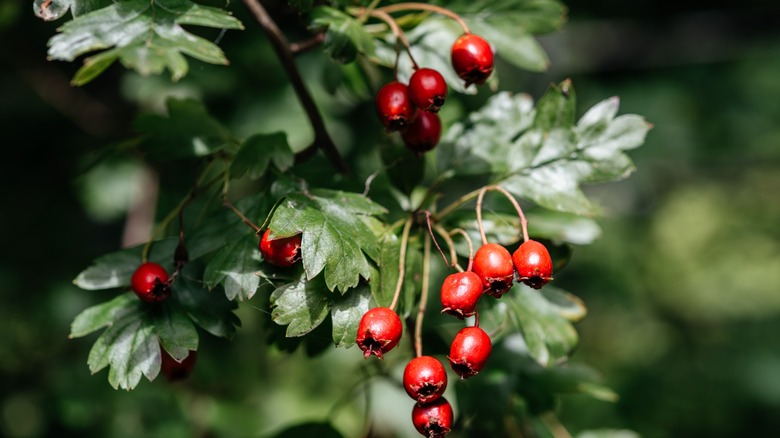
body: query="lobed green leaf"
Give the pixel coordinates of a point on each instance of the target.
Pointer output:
(258, 151)
(235, 267)
(347, 312)
(345, 36)
(301, 306)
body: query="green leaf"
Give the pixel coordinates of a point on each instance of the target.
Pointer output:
(235, 267)
(301, 306)
(345, 36)
(258, 151)
(102, 315)
(335, 236)
(346, 314)
(175, 331)
(562, 227)
(211, 311)
(130, 348)
(146, 36)
(542, 317)
(540, 154)
(188, 130)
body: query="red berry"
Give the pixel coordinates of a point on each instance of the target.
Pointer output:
(460, 293)
(282, 252)
(433, 419)
(149, 282)
(493, 264)
(472, 58)
(393, 106)
(173, 370)
(533, 263)
(423, 133)
(379, 331)
(469, 351)
(425, 379)
(427, 89)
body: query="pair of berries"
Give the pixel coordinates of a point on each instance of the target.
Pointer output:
(283, 252)
(411, 109)
(425, 381)
(496, 267)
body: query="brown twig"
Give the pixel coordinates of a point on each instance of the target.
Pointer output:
(281, 45)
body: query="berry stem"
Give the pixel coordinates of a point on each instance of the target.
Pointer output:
(468, 241)
(416, 6)
(399, 34)
(423, 297)
(447, 238)
(401, 262)
(523, 221)
(228, 204)
(433, 237)
(476, 317)
(281, 45)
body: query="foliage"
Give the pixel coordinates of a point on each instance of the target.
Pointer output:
(354, 245)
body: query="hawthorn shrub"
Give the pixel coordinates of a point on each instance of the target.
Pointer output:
(491, 199)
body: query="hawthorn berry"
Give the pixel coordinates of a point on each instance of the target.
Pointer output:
(378, 332)
(533, 264)
(460, 293)
(472, 58)
(393, 106)
(282, 252)
(469, 351)
(423, 133)
(493, 264)
(433, 419)
(425, 379)
(427, 89)
(173, 370)
(150, 282)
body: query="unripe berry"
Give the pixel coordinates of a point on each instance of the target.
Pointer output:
(470, 351)
(282, 252)
(460, 293)
(423, 133)
(393, 106)
(533, 263)
(472, 58)
(149, 282)
(433, 419)
(493, 264)
(425, 379)
(379, 331)
(173, 370)
(427, 89)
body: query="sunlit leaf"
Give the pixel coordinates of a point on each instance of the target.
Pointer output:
(345, 36)
(145, 36)
(234, 267)
(301, 306)
(346, 314)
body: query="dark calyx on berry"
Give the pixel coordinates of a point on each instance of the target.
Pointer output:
(283, 252)
(378, 332)
(493, 264)
(460, 293)
(425, 379)
(150, 282)
(427, 89)
(433, 419)
(469, 351)
(533, 264)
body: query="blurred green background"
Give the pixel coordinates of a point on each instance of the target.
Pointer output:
(683, 288)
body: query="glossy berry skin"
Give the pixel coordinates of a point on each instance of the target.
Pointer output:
(425, 379)
(149, 282)
(460, 293)
(427, 89)
(174, 371)
(470, 351)
(493, 264)
(282, 252)
(472, 58)
(393, 106)
(378, 332)
(533, 264)
(433, 419)
(423, 133)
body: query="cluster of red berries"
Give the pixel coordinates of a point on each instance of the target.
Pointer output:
(412, 109)
(425, 378)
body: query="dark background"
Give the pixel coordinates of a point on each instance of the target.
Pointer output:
(683, 288)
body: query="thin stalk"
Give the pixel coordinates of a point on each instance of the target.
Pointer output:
(394, 28)
(423, 297)
(415, 6)
(433, 237)
(448, 238)
(401, 262)
(468, 241)
(455, 205)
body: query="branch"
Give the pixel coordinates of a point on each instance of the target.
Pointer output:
(281, 46)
